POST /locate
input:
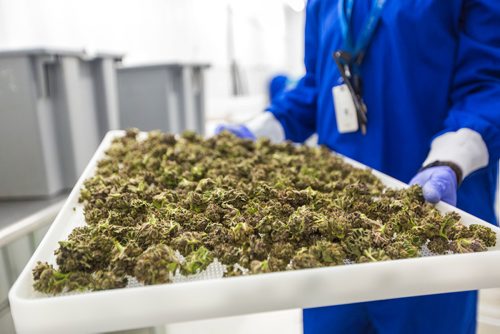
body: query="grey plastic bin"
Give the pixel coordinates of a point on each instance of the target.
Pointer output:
(55, 107)
(168, 97)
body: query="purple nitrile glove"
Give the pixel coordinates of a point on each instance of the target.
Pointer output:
(438, 184)
(237, 130)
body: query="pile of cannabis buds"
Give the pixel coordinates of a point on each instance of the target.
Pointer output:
(257, 207)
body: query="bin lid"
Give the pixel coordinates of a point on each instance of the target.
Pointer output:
(175, 65)
(81, 53)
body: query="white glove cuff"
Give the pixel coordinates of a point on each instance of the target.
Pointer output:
(465, 148)
(266, 125)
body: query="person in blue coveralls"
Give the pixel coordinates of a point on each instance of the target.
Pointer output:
(277, 85)
(410, 88)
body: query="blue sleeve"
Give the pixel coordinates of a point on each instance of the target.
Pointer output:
(475, 94)
(296, 108)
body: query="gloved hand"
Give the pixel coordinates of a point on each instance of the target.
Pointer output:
(438, 184)
(238, 130)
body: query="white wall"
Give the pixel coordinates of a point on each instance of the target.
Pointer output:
(150, 31)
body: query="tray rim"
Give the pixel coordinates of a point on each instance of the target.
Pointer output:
(19, 300)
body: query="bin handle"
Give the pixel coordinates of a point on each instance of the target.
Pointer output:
(40, 65)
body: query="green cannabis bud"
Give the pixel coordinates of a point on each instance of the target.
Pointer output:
(197, 261)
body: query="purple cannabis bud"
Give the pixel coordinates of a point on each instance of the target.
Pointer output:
(467, 246)
(438, 245)
(484, 234)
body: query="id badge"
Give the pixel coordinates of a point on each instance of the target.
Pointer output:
(345, 111)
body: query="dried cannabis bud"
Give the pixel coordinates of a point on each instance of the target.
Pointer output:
(197, 261)
(156, 264)
(165, 205)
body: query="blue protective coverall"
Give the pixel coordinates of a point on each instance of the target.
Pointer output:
(432, 66)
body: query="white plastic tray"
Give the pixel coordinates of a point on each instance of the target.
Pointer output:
(155, 305)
